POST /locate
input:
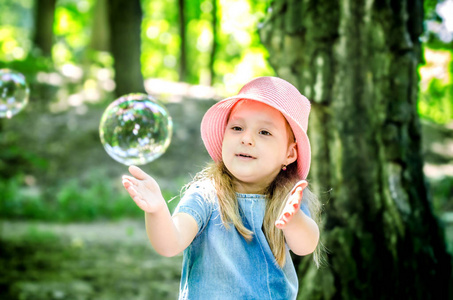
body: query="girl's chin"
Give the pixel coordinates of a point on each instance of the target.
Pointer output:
(246, 177)
(251, 184)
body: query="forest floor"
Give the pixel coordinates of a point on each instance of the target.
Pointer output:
(101, 260)
(113, 259)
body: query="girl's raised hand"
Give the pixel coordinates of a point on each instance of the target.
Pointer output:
(144, 190)
(292, 205)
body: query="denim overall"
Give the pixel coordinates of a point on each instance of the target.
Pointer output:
(221, 264)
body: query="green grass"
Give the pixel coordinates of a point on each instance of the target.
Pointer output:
(94, 198)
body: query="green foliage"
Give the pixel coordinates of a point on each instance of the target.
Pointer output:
(15, 23)
(22, 160)
(30, 65)
(95, 201)
(429, 8)
(94, 198)
(72, 28)
(239, 54)
(17, 202)
(436, 86)
(442, 191)
(160, 39)
(72, 201)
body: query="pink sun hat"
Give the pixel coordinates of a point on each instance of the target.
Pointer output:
(274, 92)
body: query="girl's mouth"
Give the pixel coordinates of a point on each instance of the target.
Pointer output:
(243, 155)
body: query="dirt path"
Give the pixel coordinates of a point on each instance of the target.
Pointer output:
(130, 232)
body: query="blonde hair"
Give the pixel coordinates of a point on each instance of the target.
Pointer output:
(276, 195)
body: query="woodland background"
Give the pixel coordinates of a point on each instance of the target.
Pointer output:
(67, 228)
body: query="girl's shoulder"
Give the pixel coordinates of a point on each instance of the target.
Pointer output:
(199, 201)
(203, 189)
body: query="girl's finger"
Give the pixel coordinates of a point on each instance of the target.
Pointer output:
(126, 183)
(289, 211)
(138, 173)
(280, 224)
(301, 184)
(138, 200)
(284, 217)
(295, 199)
(132, 192)
(131, 179)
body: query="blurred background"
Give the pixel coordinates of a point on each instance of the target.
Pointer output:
(68, 229)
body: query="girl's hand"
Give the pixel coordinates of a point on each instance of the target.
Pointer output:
(292, 205)
(144, 190)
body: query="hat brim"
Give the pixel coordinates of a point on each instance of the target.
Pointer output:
(214, 123)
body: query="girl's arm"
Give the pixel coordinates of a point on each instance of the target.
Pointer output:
(301, 232)
(168, 235)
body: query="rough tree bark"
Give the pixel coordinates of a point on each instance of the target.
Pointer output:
(125, 18)
(357, 62)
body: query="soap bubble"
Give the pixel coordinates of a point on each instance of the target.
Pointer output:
(13, 93)
(135, 129)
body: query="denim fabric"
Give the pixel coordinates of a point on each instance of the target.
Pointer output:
(221, 264)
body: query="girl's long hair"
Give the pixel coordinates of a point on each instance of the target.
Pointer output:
(276, 195)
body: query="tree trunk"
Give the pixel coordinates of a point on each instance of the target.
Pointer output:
(357, 62)
(213, 52)
(44, 18)
(100, 30)
(183, 45)
(125, 18)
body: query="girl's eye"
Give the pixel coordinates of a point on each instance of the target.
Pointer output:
(236, 128)
(264, 132)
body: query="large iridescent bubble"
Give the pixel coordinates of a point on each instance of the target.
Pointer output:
(135, 129)
(14, 93)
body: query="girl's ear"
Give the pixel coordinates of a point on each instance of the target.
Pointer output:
(292, 153)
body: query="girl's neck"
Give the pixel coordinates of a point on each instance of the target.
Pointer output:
(249, 188)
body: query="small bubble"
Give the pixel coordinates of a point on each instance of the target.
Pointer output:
(14, 93)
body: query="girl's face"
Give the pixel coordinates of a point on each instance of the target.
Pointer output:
(257, 143)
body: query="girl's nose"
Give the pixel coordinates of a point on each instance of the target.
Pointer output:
(247, 139)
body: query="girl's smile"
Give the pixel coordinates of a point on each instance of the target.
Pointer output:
(256, 144)
(245, 156)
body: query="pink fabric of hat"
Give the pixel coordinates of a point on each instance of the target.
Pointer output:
(274, 92)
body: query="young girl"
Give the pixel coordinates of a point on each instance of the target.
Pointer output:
(240, 216)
